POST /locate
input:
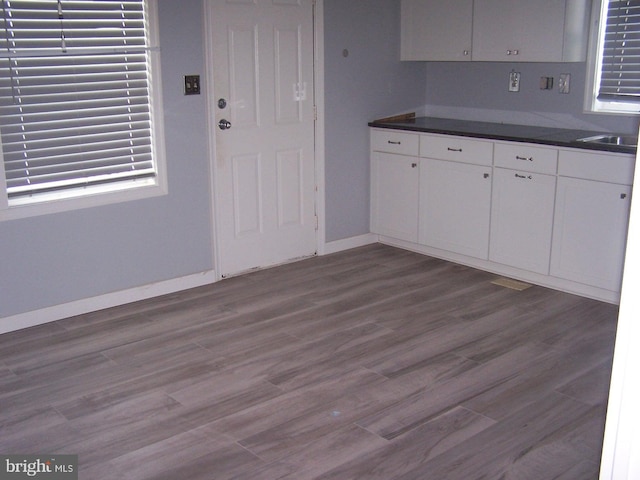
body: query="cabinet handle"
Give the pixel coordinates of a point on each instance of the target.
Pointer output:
(623, 196)
(513, 52)
(524, 158)
(465, 52)
(393, 143)
(525, 177)
(486, 175)
(414, 165)
(454, 149)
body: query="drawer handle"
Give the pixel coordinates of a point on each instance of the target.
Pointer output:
(454, 149)
(524, 158)
(525, 177)
(393, 143)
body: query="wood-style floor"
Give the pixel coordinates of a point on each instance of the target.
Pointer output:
(375, 363)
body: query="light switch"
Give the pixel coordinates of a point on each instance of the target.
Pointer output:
(192, 84)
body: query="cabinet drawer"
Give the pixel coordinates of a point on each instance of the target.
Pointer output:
(394, 141)
(451, 147)
(521, 156)
(604, 167)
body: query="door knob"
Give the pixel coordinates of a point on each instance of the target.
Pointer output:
(224, 124)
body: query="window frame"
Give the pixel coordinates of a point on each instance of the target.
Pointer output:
(594, 64)
(109, 193)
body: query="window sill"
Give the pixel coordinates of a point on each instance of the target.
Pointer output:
(80, 198)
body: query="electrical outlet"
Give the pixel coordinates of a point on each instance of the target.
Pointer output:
(514, 81)
(563, 82)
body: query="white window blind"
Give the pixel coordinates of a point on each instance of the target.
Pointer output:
(74, 94)
(620, 70)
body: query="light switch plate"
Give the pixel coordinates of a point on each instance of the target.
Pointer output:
(546, 83)
(192, 84)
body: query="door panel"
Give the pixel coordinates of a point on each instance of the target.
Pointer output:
(287, 61)
(247, 198)
(244, 76)
(290, 184)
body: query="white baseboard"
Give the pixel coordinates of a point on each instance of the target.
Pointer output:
(86, 305)
(348, 243)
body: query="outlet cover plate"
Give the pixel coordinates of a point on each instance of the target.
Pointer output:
(563, 82)
(514, 81)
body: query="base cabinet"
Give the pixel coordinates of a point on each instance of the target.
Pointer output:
(395, 195)
(590, 230)
(455, 204)
(549, 215)
(522, 219)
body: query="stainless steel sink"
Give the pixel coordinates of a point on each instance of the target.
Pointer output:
(622, 140)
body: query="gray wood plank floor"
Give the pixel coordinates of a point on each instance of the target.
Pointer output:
(375, 363)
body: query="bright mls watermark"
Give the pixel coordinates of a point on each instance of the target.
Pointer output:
(49, 467)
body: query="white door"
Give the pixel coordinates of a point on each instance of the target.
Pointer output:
(262, 60)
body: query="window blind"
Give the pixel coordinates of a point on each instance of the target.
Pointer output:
(74, 94)
(620, 72)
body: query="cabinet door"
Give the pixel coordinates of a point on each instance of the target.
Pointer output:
(455, 202)
(590, 231)
(518, 30)
(394, 195)
(522, 219)
(436, 30)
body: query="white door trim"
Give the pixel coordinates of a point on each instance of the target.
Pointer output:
(319, 151)
(318, 82)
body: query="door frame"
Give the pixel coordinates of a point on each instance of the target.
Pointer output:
(319, 131)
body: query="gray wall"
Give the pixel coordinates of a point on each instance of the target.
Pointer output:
(370, 83)
(55, 259)
(478, 91)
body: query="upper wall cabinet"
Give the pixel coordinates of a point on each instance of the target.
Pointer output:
(530, 30)
(436, 30)
(495, 30)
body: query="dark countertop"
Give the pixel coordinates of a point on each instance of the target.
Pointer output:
(558, 137)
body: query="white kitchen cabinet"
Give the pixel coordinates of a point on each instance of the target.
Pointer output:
(590, 229)
(522, 219)
(455, 194)
(435, 30)
(591, 217)
(455, 205)
(530, 31)
(550, 215)
(395, 182)
(395, 195)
